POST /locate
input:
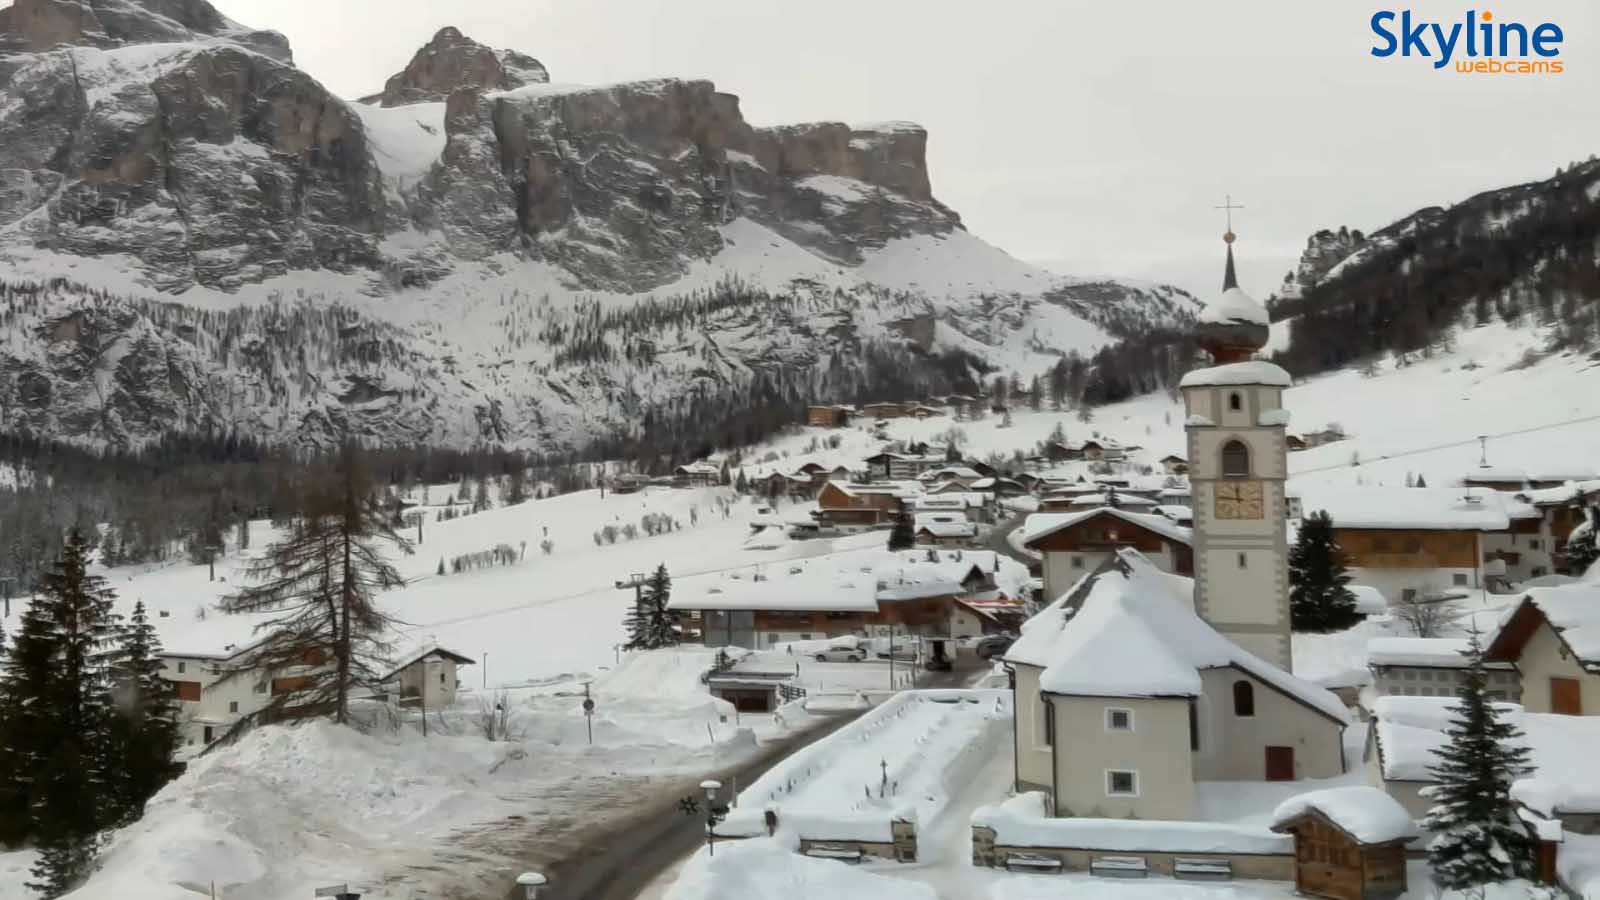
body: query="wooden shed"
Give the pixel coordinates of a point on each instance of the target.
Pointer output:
(1349, 843)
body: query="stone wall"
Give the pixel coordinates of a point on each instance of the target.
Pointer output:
(1257, 867)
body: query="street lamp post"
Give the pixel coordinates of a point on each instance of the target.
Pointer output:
(212, 550)
(713, 814)
(531, 882)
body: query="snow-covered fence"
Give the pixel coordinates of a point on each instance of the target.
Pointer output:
(500, 555)
(1020, 834)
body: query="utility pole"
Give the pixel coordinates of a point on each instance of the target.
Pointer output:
(637, 582)
(5, 589)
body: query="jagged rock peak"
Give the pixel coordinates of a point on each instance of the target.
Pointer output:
(39, 25)
(452, 61)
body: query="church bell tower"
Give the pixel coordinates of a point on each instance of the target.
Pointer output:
(1238, 465)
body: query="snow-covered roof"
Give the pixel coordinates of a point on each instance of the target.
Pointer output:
(953, 472)
(1254, 371)
(699, 468)
(1178, 513)
(1098, 499)
(1410, 729)
(1365, 813)
(1040, 525)
(1482, 474)
(1130, 630)
(945, 525)
(1432, 653)
(1573, 610)
(1234, 305)
(1562, 494)
(804, 585)
(420, 653)
(1428, 509)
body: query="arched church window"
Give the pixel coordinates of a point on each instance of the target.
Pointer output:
(1234, 402)
(1235, 460)
(1244, 698)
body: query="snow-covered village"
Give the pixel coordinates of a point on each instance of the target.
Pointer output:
(535, 480)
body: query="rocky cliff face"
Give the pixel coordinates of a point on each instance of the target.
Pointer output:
(1324, 250)
(478, 254)
(453, 61)
(40, 25)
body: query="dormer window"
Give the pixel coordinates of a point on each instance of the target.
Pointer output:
(1235, 402)
(1235, 460)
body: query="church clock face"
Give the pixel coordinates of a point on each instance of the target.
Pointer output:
(1239, 500)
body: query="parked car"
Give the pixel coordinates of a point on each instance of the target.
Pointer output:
(993, 645)
(841, 651)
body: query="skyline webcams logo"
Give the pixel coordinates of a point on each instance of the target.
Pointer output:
(1506, 45)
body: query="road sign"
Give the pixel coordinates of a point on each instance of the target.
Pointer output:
(588, 706)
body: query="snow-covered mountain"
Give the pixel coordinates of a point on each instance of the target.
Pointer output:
(1527, 254)
(199, 236)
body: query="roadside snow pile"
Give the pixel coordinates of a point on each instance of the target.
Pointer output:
(1021, 822)
(1365, 813)
(768, 869)
(902, 761)
(15, 869)
(1578, 864)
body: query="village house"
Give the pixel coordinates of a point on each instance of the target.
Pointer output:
(629, 483)
(697, 474)
(903, 466)
(783, 484)
(923, 411)
(944, 529)
(426, 677)
(828, 416)
(1126, 699)
(1520, 551)
(1432, 667)
(1113, 498)
(907, 593)
(1405, 733)
(859, 507)
(883, 410)
(1552, 637)
(216, 690)
(1561, 508)
(1173, 464)
(1074, 544)
(957, 474)
(1411, 542)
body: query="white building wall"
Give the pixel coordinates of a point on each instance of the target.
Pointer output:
(1033, 753)
(1157, 749)
(1063, 568)
(1534, 552)
(1233, 748)
(223, 698)
(1544, 658)
(1393, 583)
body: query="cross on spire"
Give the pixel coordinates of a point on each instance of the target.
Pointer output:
(1228, 206)
(1230, 279)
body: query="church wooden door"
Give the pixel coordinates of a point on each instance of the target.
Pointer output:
(1280, 763)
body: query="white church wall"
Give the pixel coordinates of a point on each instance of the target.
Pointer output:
(1157, 749)
(1234, 748)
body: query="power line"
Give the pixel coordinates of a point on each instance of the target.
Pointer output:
(1449, 445)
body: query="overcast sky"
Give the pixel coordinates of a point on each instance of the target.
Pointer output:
(1093, 137)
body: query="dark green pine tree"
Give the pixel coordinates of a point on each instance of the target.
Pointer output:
(1319, 598)
(901, 536)
(72, 798)
(24, 724)
(146, 727)
(1478, 839)
(635, 621)
(660, 625)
